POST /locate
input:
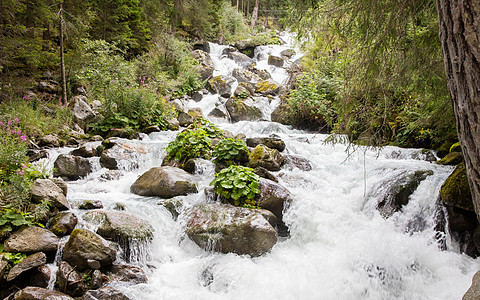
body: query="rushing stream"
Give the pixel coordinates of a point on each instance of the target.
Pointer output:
(340, 246)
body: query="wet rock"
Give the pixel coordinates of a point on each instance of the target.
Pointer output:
(125, 229)
(241, 59)
(165, 182)
(262, 172)
(97, 280)
(62, 224)
(49, 140)
(219, 112)
(106, 293)
(127, 273)
(270, 142)
(47, 190)
(281, 113)
(111, 175)
(84, 245)
(288, 53)
(243, 75)
(294, 161)
(242, 92)
(173, 205)
(275, 61)
(225, 228)
(267, 87)
(153, 128)
(242, 110)
(32, 239)
(455, 191)
(3, 265)
(451, 159)
(173, 124)
(28, 263)
(473, 292)
(38, 293)
(197, 96)
(91, 204)
(40, 277)
(261, 73)
(205, 62)
(123, 155)
(61, 184)
(36, 155)
(69, 280)
(222, 85)
(400, 191)
(83, 114)
(273, 197)
(72, 167)
(262, 156)
(85, 151)
(185, 119)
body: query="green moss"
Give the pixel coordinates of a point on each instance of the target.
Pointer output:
(455, 147)
(265, 86)
(451, 159)
(256, 154)
(455, 190)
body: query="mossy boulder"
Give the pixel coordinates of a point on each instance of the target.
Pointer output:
(451, 159)
(243, 75)
(32, 239)
(262, 156)
(226, 229)
(267, 87)
(281, 113)
(47, 190)
(400, 190)
(165, 182)
(275, 61)
(62, 224)
(84, 246)
(72, 167)
(241, 59)
(205, 62)
(37, 293)
(455, 190)
(222, 85)
(30, 262)
(242, 110)
(270, 142)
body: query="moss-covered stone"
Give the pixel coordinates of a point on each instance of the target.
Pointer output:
(451, 159)
(267, 87)
(242, 110)
(455, 190)
(262, 156)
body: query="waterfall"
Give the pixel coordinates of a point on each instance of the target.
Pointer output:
(340, 246)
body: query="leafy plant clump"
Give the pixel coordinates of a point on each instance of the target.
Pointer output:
(11, 218)
(237, 185)
(190, 143)
(230, 151)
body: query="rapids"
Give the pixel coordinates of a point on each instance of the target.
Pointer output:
(340, 246)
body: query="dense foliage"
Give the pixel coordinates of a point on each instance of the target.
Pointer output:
(230, 151)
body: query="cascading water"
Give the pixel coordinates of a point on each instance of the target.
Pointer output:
(340, 246)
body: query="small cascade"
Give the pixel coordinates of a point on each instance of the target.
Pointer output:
(340, 245)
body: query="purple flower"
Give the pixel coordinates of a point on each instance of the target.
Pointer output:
(23, 138)
(16, 120)
(9, 123)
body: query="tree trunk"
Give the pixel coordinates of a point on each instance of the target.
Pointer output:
(459, 22)
(254, 14)
(62, 60)
(238, 2)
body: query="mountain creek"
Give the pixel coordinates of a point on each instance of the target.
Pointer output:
(344, 240)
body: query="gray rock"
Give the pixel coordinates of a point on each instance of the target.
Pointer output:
(262, 172)
(226, 228)
(84, 245)
(218, 112)
(288, 53)
(243, 75)
(281, 113)
(242, 110)
(61, 184)
(242, 92)
(273, 197)
(47, 190)
(83, 114)
(165, 182)
(49, 140)
(197, 96)
(173, 205)
(32, 239)
(106, 293)
(91, 204)
(70, 280)
(294, 161)
(261, 73)
(262, 156)
(473, 292)
(40, 277)
(97, 280)
(241, 59)
(275, 61)
(270, 142)
(127, 273)
(86, 151)
(3, 265)
(205, 62)
(222, 85)
(30, 262)
(72, 167)
(173, 124)
(185, 119)
(49, 88)
(63, 223)
(267, 87)
(38, 293)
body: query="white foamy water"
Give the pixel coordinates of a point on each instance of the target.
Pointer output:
(340, 246)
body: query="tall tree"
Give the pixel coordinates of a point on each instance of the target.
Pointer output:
(254, 14)
(459, 23)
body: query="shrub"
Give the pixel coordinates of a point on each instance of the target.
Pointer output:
(237, 185)
(190, 143)
(231, 151)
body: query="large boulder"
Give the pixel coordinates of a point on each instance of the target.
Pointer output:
(288, 53)
(106, 293)
(205, 62)
(455, 190)
(127, 273)
(88, 150)
(267, 87)
(242, 110)
(275, 61)
(281, 113)
(82, 112)
(451, 159)
(296, 162)
(243, 75)
(225, 228)
(63, 223)
(37, 293)
(72, 167)
(241, 59)
(47, 190)
(222, 85)
(69, 280)
(262, 156)
(28, 263)
(127, 230)
(400, 191)
(473, 292)
(270, 142)
(123, 155)
(32, 239)
(85, 246)
(165, 182)
(49, 140)
(273, 197)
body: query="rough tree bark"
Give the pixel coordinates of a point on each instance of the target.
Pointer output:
(254, 14)
(459, 22)
(62, 59)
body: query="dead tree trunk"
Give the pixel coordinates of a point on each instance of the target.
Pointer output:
(459, 22)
